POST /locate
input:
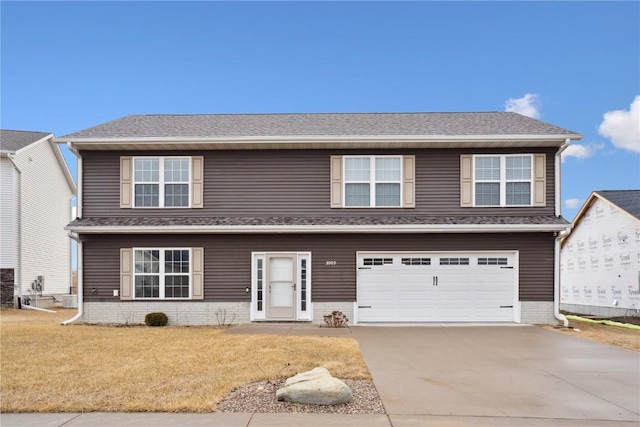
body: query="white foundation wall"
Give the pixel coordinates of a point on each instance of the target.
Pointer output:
(179, 313)
(600, 261)
(537, 313)
(321, 309)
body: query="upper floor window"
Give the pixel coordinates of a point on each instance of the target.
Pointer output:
(372, 181)
(161, 182)
(502, 180)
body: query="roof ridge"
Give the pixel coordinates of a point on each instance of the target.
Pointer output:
(319, 113)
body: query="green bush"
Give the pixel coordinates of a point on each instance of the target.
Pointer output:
(156, 319)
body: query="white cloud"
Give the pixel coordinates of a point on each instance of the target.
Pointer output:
(581, 151)
(572, 203)
(622, 127)
(528, 105)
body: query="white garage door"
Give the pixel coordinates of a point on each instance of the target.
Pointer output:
(437, 287)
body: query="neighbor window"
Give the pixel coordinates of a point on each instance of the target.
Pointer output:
(372, 181)
(162, 273)
(502, 180)
(161, 181)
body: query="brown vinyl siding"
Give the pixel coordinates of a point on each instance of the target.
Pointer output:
(295, 183)
(228, 259)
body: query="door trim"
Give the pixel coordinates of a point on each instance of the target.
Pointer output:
(303, 278)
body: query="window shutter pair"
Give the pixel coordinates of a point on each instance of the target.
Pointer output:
(127, 266)
(408, 182)
(539, 180)
(126, 182)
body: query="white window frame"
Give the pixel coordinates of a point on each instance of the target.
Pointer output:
(161, 181)
(162, 274)
(372, 180)
(503, 180)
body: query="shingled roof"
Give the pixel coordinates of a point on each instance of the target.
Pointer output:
(335, 224)
(13, 140)
(320, 124)
(627, 200)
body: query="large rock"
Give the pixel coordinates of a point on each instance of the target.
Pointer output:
(317, 387)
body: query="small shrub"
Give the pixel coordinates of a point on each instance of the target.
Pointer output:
(223, 321)
(156, 319)
(336, 319)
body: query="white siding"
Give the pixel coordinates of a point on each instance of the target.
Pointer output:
(600, 261)
(8, 214)
(46, 196)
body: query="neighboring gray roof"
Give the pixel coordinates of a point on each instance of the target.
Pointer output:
(321, 124)
(323, 221)
(13, 140)
(627, 200)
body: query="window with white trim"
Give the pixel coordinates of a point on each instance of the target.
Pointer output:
(502, 180)
(372, 181)
(162, 273)
(162, 182)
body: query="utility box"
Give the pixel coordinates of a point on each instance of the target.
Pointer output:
(70, 301)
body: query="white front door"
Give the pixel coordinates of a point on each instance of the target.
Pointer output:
(281, 287)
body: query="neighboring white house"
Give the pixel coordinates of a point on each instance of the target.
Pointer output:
(36, 191)
(600, 259)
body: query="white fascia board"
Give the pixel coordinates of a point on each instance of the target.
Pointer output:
(64, 167)
(319, 139)
(322, 229)
(41, 140)
(50, 139)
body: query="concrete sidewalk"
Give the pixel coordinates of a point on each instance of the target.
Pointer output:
(158, 419)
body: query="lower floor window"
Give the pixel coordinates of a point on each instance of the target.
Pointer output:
(162, 273)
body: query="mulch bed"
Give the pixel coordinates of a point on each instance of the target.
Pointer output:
(261, 397)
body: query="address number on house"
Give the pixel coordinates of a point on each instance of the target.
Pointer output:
(331, 263)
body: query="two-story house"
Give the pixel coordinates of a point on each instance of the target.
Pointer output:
(407, 217)
(36, 192)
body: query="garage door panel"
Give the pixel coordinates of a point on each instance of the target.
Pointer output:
(464, 289)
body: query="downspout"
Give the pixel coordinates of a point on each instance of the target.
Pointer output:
(80, 305)
(79, 179)
(558, 176)
(559, 237)
(556, 278)
(76, 237)
(19, 229)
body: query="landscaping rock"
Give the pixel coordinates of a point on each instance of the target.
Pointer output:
(317, 387)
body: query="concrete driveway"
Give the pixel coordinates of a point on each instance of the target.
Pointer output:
(499, 375)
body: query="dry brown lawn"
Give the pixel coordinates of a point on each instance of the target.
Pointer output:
(46, 367)
(605, 334)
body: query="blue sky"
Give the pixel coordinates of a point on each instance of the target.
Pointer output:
(66, 66)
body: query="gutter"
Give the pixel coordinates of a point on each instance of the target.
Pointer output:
(556, 278)
(19, 229)
(318, 138)
(80, 285)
